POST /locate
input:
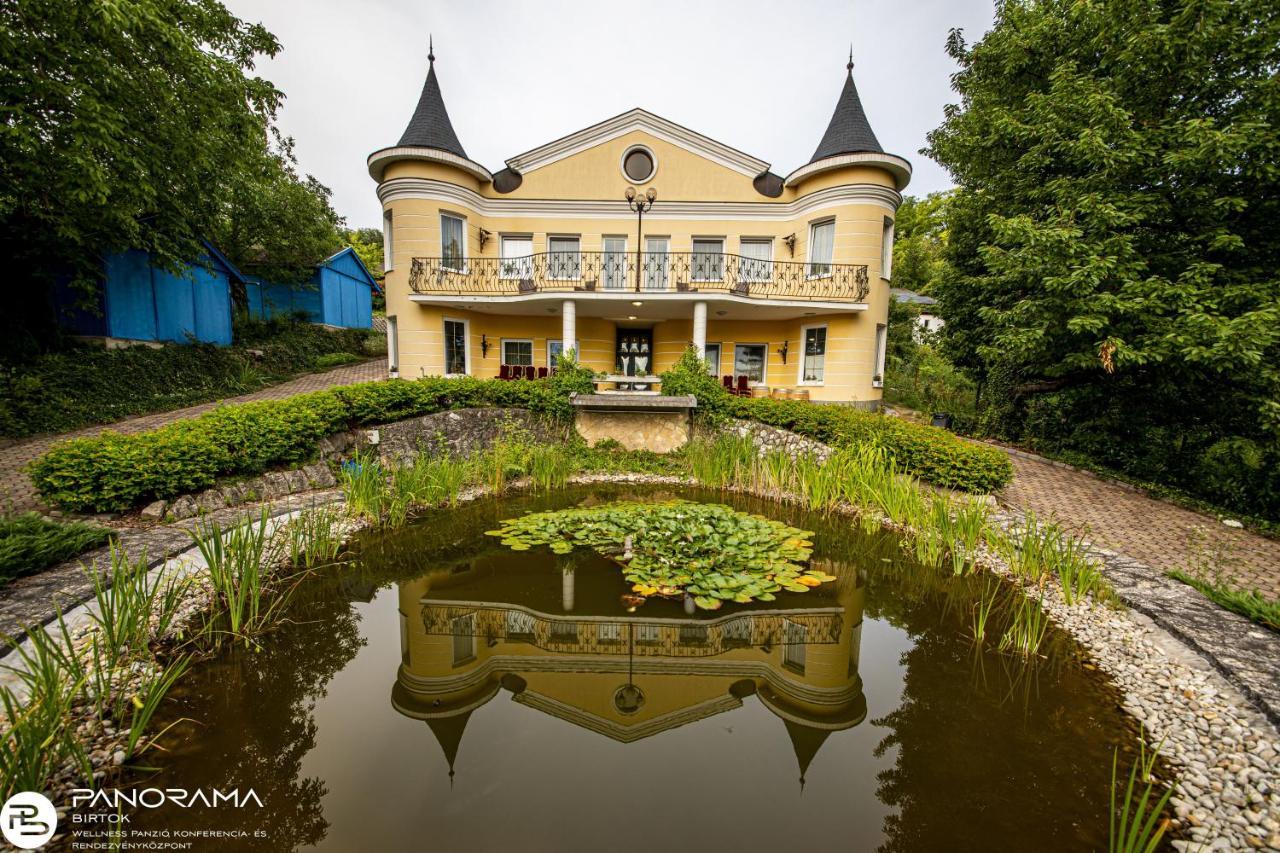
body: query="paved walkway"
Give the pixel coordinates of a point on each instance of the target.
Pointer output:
(1151, 531)
(17, 493)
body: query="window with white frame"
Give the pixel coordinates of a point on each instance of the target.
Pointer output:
(564, 261)
(757, 260)
(555, 348)
(886, 249)
(453, 242)
(404, 638)
(464, 638)
(822, 246)
(393, 344)
(712, 359)
(517, 257)
(814, 360)
(881, 340)
(794, 639)
(708, 260)
(655, 262)
(517, 351)
(455, 348)
(613, 270)
(749, 361)
(388, 255)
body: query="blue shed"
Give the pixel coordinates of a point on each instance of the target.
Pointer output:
(141, 301)
(340, 293)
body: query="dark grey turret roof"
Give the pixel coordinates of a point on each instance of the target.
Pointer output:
(849, 131)
(430, 126)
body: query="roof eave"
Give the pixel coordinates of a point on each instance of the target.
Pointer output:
(379, 160)
(897, 166)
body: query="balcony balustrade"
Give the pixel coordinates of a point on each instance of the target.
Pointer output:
(659, 272)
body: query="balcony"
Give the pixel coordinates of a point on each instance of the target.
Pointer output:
(659, 272)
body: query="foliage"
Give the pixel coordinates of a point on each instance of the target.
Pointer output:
(1250, 604)
(331, 360)
(919, 241)
(569, 377)
(709, 551)
(902, 337)
(241, 562)
(932, 454)
(30, 543)
(83, 384)
(136, 124)
(1112, 244)
(928, 382)
(1136, 824)
(689, 376)
(368, 245)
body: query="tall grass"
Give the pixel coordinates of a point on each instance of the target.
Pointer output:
(1137, 823)
(314, 537)
(1027, 631)
(241, 562)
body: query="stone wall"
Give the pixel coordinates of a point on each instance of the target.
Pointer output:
(660, 432)
(769, 438)
(458, 432)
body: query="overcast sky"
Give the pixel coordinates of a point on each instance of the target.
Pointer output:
(760, 76)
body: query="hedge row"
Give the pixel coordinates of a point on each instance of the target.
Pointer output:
(83, 384)
(930, 453)
(114, 472)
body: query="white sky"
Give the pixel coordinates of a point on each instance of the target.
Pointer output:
(760, 76)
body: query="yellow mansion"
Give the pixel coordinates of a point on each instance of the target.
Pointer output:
(633, 239)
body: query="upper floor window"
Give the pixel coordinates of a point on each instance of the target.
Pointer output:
(639, 164)
(886, 249)
(563, 258)
(453, 241)
(517, 257)
(822, 244)
(757, 260)
(708, 260)
(388, 255)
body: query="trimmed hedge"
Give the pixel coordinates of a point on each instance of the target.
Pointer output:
(29, 543)
(114, 472)
(930, 453)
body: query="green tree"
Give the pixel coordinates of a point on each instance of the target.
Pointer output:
(368, 245)
(1113, 237)
(920, 238)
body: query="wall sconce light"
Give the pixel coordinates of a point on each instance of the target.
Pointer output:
(484, 347)
(790, 240)
(786, 348)
(484, 238)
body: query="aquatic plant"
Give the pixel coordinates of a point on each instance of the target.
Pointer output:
(710, 551)
(1136, 824)
(1027, 631)
(982, 609)
(314, 537)
(241, 562)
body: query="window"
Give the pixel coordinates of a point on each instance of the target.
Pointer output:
(614, 263)
(404, 638)
(648, 633)
(748, 361)
(519, 624)
(639, 164)
(393, 345)
(464, 638)
(455, 348)
(655, 263)
(813, 364)
(453, 242)
(708, 260)
(388, 256)
(563, 260)
(713, 359)
(517, 257)
(794, 637)
(517, 351)
(757, 260)
(822, 241)
(886, 249)
(555, 348)
(877, 379)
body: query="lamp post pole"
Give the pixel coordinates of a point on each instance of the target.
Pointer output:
(640, 203)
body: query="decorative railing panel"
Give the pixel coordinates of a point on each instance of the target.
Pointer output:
(658, 272)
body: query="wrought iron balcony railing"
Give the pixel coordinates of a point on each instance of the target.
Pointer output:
(609, 272)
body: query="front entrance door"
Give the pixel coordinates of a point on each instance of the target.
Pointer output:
(635, 352)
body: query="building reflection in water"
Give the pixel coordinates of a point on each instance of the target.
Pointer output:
(553, 634)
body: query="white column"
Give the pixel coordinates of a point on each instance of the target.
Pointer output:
(700, 329)
(566, 588)
(569, 327)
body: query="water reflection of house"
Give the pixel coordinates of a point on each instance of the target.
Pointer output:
(560, 642)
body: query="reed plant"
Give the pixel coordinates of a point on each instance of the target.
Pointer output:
(983, 607)
(365, 487)
(1026, 633)
(1137, 823)
(314, 537)
(722, 462)
(549, 466)
(241, 562)
(153, 684)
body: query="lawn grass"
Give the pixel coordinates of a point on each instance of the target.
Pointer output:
(30, 543)
(1250, 604)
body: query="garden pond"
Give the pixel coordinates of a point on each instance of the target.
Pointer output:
(443, 691)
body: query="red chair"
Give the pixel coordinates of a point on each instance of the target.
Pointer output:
(542, 372)
(728, 383)
(530, 372)
(504, 371)
(744, 388)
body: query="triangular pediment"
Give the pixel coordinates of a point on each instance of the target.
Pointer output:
(631, 122)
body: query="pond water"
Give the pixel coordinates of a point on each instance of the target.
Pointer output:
(450, 694)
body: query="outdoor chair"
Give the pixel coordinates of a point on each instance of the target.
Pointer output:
(744, 387)
(530, 372)
(728, 383)
(542, 372)
(504, 371)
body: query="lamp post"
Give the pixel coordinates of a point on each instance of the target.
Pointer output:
(640, 204)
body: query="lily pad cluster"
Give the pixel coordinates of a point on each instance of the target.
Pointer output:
(709, 551)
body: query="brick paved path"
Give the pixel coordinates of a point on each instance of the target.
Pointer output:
(17, 493)
(1159, 534)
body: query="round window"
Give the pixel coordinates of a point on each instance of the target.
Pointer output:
(638, 164)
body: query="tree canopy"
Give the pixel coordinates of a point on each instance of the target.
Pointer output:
(920, 238)
(139, 124)
(1112, 243)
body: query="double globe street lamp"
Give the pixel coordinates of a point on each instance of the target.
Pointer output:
(640, 203)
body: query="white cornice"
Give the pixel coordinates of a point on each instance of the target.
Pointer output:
(891, 163)
(643, 120)
(379, 160)
(424, 188)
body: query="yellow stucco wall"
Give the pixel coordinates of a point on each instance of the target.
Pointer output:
(593, 174)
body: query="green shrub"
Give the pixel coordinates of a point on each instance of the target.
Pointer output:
(932, 454)
(84, 384)
(336, 359)
(30, 543)
(689, 376)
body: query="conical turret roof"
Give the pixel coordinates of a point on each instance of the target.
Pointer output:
(430, 126)
(849, 132)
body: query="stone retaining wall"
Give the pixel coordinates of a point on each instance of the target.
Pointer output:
(768, 438)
